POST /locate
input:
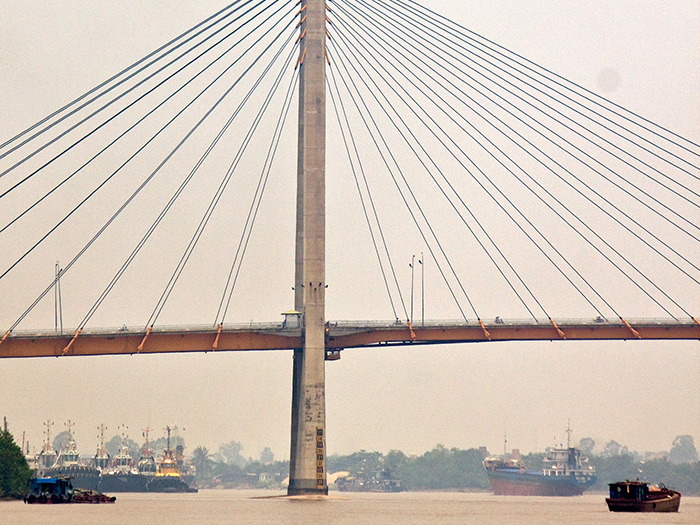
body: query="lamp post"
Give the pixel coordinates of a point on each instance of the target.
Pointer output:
(422, 290)
(58, 308)
(413, 261)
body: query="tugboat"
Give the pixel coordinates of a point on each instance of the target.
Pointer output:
(147, 463)
(565, 475)
(168, 477)
(639, 496)
(69, 465)
(46, 459)
(101, 459)
(123, 476)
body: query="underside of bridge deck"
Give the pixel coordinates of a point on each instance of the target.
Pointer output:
(337, 337)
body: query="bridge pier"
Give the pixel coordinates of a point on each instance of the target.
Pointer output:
(307, 468)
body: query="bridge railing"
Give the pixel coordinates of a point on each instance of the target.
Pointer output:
(351, 325)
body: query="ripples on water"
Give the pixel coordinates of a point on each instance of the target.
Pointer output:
(233, 506)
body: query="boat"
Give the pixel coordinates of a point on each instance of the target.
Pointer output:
(123, 475)
(68, 464)
(101, 460)
(640, 496)
(566, 474)
(350, 483)
(56, 490)
(147, 463)
(49, 490)
(168, 477)
(46, 459)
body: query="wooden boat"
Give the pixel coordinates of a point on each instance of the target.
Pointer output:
(60, 490)
(639, 496)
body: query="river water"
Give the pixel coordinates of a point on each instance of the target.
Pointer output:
(247, 506)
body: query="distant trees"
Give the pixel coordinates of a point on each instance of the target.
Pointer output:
(439, 468)
(228, 467)
(681, 470)
(113, 445)
(445, 468)
(160, 444)
(613, 448)
(60, 441)
(586, 445)
(14, 471)
(442, 468)
(683, 450)
(267, 456)
(230, 453)
(201, 459)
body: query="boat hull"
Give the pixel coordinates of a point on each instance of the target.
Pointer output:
(668, 503)
(168, 484)
(536, 484)
(82, 477)
(123, 483)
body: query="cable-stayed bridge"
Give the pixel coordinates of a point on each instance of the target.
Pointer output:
(552, 202)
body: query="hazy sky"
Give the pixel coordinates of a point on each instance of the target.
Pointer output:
(644, 55)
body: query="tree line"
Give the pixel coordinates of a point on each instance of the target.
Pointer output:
(445, 468)
(441, 468)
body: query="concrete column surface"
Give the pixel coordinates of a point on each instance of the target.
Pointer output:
(307, 470)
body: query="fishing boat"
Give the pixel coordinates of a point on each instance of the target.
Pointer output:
(640, 496)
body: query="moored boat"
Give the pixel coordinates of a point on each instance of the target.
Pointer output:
(101, 459)
(56, 490)
(122, 475)
(147, 463)
(46, 459)
(69, 464)
(168, 477)
(640, 496)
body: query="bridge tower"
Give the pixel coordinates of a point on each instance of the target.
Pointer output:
(307, 467)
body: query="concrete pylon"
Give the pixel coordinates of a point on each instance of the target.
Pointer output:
(307, 468)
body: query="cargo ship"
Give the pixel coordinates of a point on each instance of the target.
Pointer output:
(566, 473)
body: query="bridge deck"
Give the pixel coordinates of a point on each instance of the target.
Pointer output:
(339, 335)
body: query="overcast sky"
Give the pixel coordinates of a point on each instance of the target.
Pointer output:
(644, 55)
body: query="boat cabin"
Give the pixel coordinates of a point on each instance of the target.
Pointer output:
(629, 490)
(49, 490)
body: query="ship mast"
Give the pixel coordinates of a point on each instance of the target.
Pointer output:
(101, 450)
(568, 433)
(123, 428)
(168, 429)
(47, 443)
(147, 447)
